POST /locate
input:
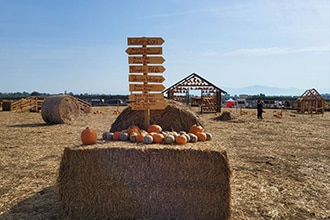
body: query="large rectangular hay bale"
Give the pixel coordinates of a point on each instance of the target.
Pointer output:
(144, 183)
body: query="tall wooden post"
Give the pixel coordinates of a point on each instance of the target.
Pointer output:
(145, 73)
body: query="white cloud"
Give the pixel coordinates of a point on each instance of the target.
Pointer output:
(273, 51)
(208, 53)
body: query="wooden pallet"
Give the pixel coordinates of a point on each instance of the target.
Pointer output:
(31, 103)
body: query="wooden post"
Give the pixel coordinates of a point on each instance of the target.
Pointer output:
(145, 73)
(218, 97)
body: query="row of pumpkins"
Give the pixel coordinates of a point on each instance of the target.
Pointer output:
(154, 134)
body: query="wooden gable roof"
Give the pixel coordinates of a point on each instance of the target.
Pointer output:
(311, 94)
(193, 82)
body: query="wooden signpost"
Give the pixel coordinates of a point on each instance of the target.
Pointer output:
(148, 97)
(148, 106)
(146, 89)
(147, 60)
(145, 41)
(143, 78)
(149, 69)
(144, 50)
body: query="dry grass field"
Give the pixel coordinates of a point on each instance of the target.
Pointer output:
(280, 166)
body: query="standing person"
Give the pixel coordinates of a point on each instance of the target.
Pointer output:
(21, 106)
(260, 104)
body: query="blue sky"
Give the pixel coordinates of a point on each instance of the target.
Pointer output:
(79, 45)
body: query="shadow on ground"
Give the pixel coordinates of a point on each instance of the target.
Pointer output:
(29, 125)
(42, 205)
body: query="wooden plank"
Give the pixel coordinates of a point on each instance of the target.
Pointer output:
(156, 69)
(145, 51)
(145, 60)
(146, 97)
(145, 78)
(148, 105)
(145, 41)
(146, 88)
(149, 69)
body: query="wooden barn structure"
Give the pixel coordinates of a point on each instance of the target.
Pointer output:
(311, 101)
(210, 97)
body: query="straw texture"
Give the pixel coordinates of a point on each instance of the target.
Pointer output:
(144, 183)
(175, 116)
(61, 109)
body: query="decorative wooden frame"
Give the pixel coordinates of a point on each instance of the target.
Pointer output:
(210, 100)
(311, 102)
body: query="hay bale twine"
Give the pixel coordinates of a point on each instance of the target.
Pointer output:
(175, 116)
(104, 182)
(62, 109)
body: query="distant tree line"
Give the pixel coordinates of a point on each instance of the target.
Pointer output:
(87, 97)
(19, 95)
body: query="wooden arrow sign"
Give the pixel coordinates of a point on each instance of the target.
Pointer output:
(138, 69)
(146, 60)
(145, 41)
(144, 78)
(141, 50)
(156, 69)
(149, 69)
(148, 105)
(146, 97)
(146, 88)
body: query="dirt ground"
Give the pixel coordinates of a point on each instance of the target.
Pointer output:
(280, 166)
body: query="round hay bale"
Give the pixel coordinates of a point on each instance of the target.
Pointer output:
(61, 109)
(175, 116)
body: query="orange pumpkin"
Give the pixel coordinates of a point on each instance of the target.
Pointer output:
(181, 139)
(87, 109)
(196, 128)
(116, 135)
(152, 133)
(158, 138)
(154, 128)
(201, 136)
(133, 133)
(144, 132)
(139, 137)
(88, 136)
(133, 128)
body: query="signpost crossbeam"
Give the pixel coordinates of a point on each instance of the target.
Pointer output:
(146, 50)
(146, 60)
(149, 69)
(146, 87)
(145, 41)
(146, 97)
(148, 105)
(144, 78)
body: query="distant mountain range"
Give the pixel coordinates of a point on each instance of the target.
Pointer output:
(268, 91)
